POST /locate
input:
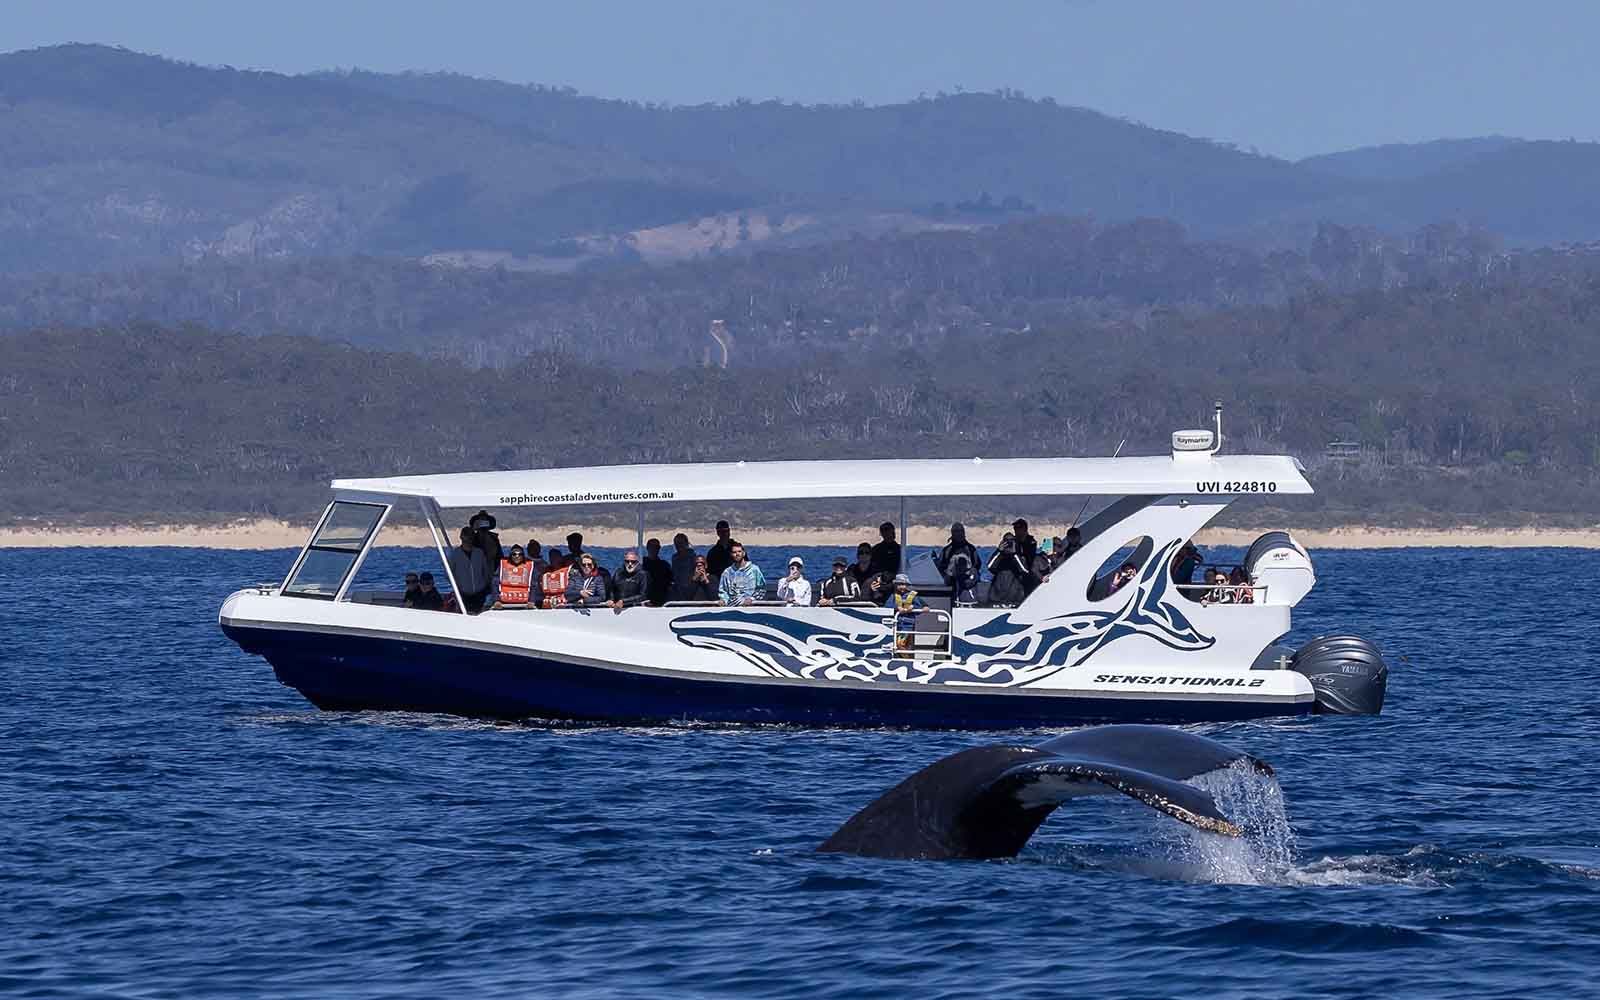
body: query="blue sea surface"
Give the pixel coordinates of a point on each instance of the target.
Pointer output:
(175, 823)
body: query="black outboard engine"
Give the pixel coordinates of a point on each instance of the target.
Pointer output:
(1346, 672)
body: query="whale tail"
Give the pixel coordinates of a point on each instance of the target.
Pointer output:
(985, 802)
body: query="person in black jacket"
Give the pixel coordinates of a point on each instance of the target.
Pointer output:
(659, 571)
(720, 556)
(630, 584)
(841, 586)
(427, 599)
(886, 554)
(700, 586)
(684, 560)
(1027, 545)
(1008, 574)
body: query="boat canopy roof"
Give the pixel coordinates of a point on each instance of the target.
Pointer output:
(1158, 475)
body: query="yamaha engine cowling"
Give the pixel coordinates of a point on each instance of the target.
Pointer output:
(1346, 672)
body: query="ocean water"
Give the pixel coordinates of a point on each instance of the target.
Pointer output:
(174, 823)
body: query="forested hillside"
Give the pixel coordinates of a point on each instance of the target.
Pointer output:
(1469, 403)
(109, 158)
(906, 292)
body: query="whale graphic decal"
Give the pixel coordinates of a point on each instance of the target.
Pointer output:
(1001, 651)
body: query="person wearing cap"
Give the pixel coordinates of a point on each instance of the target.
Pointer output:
(841, 586)
(902, 598)
(516, 580)
(795, 588)
(428, 598)
(720, 556)
(630, 585)
(488, 542)
(886, 554)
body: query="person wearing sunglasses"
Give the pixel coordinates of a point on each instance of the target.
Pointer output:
(587, 588)
(630, 585)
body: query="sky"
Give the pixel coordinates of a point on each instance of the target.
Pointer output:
(1288, 77)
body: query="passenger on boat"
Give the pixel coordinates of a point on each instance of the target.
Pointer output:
(685, 564)
(1066, 546)
(535, 556)
(1239, 586)
(660, 589)
(556, 559)
(1184, 563)
(1122, 577)
(483, 523)
(841, 586)
(958, 560)
(1007, 574)
(471, 572)
(720, 556)
(698, 586)
(872, 583)
(428, 597)
(886, 554)
(516, 581)
(575, 547)
(410, 596)
(587, 587)
(1040, 570)
(1215, 592)
(742, 582)
(795, 588)
(902, 598)
(553, 584)
(631, 584)
(1027, 545)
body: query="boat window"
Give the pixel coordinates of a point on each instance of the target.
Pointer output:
(333, 550)
(1135, 552)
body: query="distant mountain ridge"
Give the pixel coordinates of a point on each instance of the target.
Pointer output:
(110, 158)
(1406, 161)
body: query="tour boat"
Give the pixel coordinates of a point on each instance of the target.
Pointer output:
(1069, 653)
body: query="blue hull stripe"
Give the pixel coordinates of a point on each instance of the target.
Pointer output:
(354, 672)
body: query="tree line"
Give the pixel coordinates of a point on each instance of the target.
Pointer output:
(906, 291)
(1463, 402)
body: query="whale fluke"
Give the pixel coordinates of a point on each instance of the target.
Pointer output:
(985, 802)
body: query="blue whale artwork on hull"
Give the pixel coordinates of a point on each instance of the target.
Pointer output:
(985, 802)
(1003, 651)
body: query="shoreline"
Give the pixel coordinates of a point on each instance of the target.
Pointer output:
(272, 534)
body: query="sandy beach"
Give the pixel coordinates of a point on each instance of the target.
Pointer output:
(271, 534)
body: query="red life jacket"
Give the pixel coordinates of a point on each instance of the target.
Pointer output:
(554, 585)
(515, 581)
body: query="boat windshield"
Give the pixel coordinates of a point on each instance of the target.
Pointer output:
(327, 561)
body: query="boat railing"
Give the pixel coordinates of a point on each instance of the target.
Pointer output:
(1202, 592)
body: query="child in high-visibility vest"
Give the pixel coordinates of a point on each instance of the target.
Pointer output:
(906, 604)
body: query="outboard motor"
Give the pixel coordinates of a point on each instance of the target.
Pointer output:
(1346, 672)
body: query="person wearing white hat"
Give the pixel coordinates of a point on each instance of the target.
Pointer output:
(795, 588)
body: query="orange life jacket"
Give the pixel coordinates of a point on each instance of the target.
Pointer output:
(515, 581)
(554, 585)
